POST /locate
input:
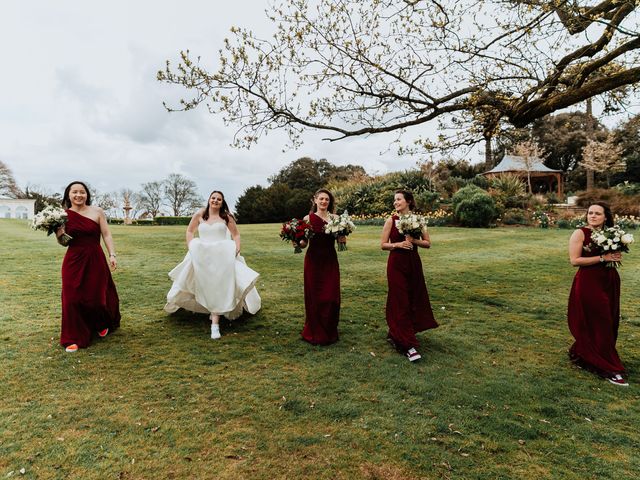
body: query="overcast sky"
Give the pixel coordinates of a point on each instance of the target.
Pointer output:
(80, 99)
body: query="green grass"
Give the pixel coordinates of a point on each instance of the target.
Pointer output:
(494, 398)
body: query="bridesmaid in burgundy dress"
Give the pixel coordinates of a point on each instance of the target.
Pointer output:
(594, 302)
(89, 298)
(408, 306)
(321, 276)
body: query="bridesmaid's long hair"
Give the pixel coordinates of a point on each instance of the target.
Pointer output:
(66, 202)
(608, 216)
(408, 196)
(225, 214)
(332, 201)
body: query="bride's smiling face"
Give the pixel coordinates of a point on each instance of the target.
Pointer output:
(215, 201)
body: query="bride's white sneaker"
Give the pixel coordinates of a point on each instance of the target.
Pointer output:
(215, 331)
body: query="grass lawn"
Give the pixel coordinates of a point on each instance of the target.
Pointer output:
(493, 398)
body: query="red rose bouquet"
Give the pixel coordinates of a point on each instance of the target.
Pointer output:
(296, 230)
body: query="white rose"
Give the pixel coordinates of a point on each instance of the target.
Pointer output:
(627, 239)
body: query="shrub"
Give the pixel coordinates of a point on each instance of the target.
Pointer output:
(508, 184)
(515, 216)
(627, 222)
(427, 201)
(172, 220)
(543, 219)
(627, 188)
(474, 207)
(439, 218)
(619, 202)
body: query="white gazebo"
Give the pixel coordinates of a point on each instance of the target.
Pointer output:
(23, 208)
(541, 175)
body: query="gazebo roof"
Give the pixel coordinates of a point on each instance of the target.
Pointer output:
(512, 163)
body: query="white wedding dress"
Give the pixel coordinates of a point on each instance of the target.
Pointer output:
(211, 278)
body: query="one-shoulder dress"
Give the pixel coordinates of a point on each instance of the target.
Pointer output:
(211, 278)
(408, 308)
(321, 286)
(593, 315)
(89, 297)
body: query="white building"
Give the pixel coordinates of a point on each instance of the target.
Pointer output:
(17, 208)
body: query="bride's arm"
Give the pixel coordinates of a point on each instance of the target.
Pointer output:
(193, 226)
(235, 234)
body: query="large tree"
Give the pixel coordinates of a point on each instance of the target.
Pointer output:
(564, 136)
(627, 136)
(150, 198)
(42, 196)
(354, 67)
(181, 194)
(8, 186)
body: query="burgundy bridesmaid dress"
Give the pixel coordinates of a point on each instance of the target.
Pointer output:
(408, 306)
(89, 298)
(321, 286)
(594, 315)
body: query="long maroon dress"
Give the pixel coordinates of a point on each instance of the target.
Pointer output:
(594, 315)
(89, 298)
(321, 286)
(408, 305)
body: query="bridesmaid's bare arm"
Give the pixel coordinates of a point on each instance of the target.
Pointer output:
(575, 252)
(386, 244)
(193, 225)
(106, 237)
(424, 242)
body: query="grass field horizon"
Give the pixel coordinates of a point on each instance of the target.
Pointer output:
(494, 396)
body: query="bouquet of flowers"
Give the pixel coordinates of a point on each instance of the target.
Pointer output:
(612, 239)
(296, 230)
(411, 224)
(51, 219)
(340, 226)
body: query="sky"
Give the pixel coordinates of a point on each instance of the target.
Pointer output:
(80, 99)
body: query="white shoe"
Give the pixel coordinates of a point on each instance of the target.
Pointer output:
(413, 355)
(215, 331)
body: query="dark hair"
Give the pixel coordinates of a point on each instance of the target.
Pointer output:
(408, 196)
(225, 214)
(332, 201)
(66, 203)
(608, 216)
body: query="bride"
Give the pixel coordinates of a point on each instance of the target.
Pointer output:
(213, 278)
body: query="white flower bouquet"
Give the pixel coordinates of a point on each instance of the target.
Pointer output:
(51, 219)
(340, 226)
(411, 224)
(612, 239)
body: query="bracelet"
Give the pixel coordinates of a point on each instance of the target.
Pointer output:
(601, 258)
(112, 255)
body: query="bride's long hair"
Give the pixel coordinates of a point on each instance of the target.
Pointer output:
(225, 213)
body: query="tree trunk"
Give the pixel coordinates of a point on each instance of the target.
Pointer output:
(590, 129)
(488, 154)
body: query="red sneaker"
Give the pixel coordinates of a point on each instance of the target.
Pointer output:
(618, 380)
(103, 333)
(71, 348)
